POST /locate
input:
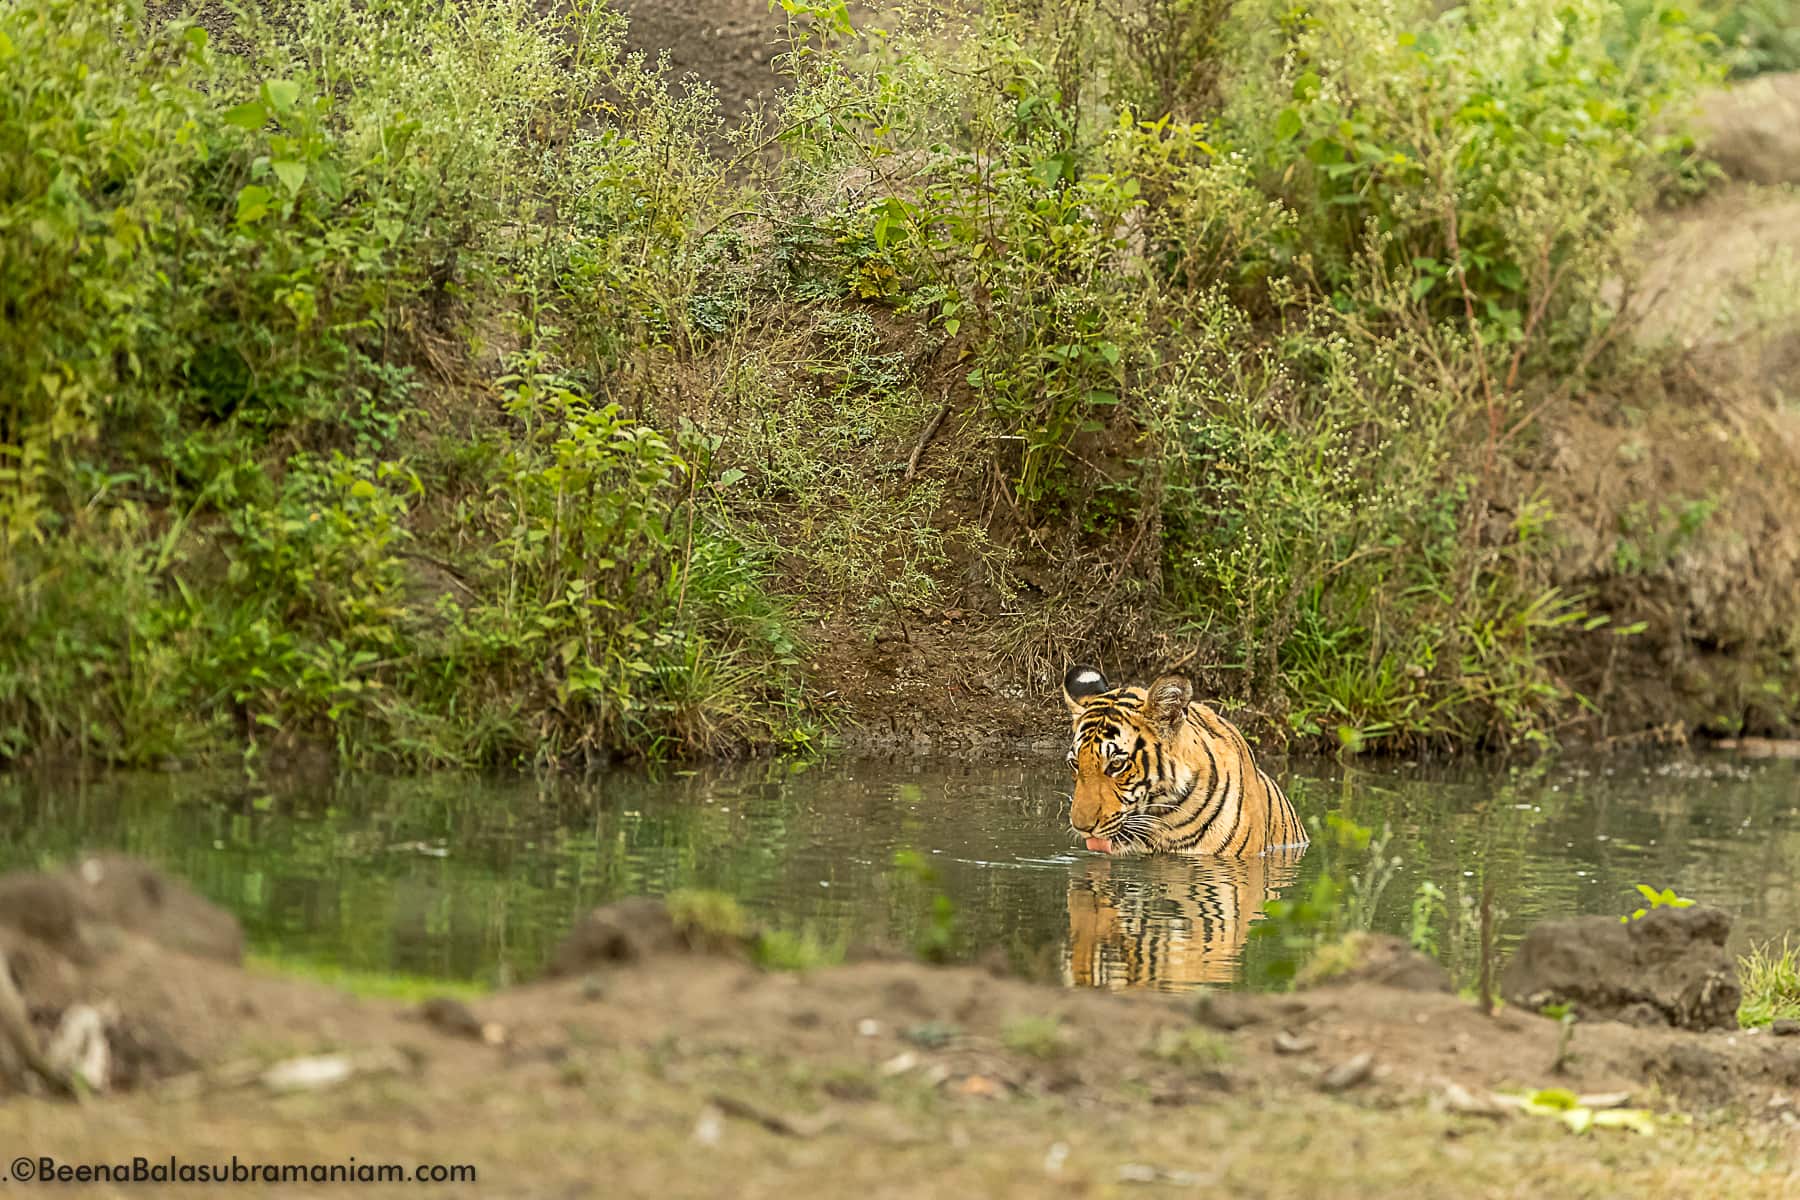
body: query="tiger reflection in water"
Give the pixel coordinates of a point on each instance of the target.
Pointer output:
(1167, 923)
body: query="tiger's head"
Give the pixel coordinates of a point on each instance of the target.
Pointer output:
(1119, 756)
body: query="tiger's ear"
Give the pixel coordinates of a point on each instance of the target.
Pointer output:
(1166, 702)
(1079, 684)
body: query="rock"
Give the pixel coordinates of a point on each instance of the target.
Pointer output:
(1785, 1027)
(617, 933)
(1376, 958)
(319, 1071)
(1348, 1073)
(117, 890)
(1752, 130)
(46, 908)
(1230, 1011)
(143, 1050)
(1455, 1098)
(1668, 967)
(630, 930)
(79, 1050)
(1692, 1070)
(451, 1016)
(308, 1074)
(1287, 1043)
(900, 1064)
(709, 1128)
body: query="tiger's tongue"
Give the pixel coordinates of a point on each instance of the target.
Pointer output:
(1103, 845)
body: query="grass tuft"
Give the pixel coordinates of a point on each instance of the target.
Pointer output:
(1770, 978)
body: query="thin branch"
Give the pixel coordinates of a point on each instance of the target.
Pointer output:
(918, 450)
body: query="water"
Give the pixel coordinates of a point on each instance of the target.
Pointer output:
(476, 879)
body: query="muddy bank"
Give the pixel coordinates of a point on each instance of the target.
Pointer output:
(667, 1063)
(1674, 489)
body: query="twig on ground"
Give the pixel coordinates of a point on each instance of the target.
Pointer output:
(918, 451)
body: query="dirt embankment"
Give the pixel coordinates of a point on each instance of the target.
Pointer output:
(1679, 501)
(1676, 494)
(662, 1062)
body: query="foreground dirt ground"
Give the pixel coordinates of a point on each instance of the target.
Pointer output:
(677, 1072)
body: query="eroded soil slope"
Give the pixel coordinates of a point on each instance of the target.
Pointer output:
(1676, 490)
(662, 1063)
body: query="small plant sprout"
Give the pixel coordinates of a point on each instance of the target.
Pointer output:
(1665, 898)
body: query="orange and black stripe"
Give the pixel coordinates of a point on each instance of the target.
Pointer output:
(1156, 770)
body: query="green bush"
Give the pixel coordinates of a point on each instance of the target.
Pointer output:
(225, 276)
(1490, 156)
(1293, 326)
(1758, 35)
(424, 380)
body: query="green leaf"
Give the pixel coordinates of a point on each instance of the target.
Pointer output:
(1558, 1098)
(281, 93)
(1421, 285)
(292, 174)
(252, 203)
(1287, 125)
(1325, 150)
(1047, 171)
(1647, 892)
(327, 178)
(362, 489)
(1102, 398)
(6, 45)
(250, 116)
(1307, 86)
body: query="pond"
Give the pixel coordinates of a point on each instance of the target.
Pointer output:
(462, 878)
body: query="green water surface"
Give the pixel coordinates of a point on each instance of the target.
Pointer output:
(477, 879)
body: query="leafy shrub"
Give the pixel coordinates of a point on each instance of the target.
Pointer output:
(421, 378)
(228, 272)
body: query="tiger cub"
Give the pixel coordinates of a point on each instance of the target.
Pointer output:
(1155, 770)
